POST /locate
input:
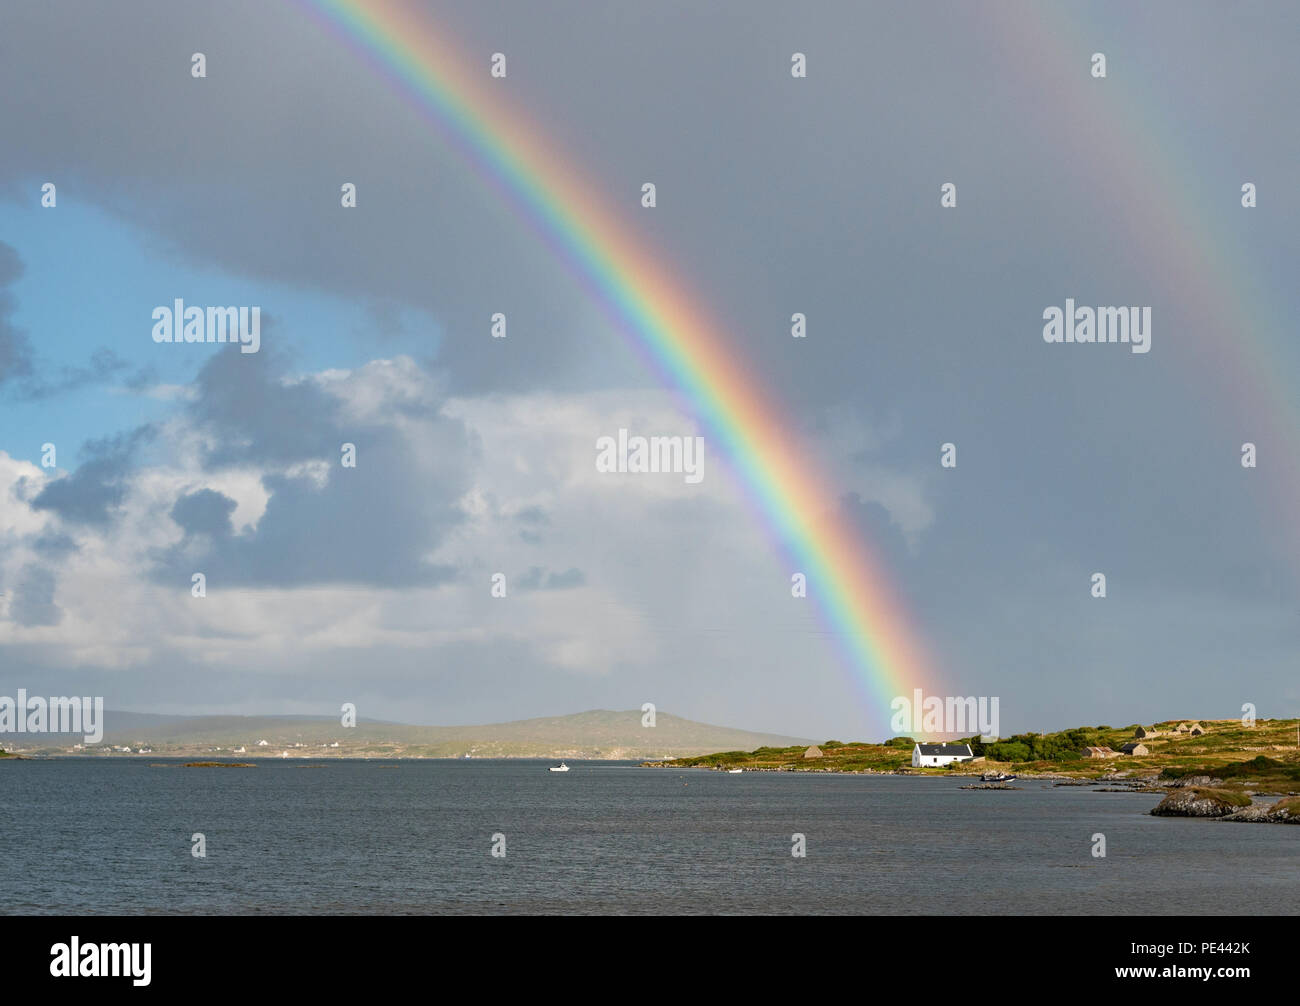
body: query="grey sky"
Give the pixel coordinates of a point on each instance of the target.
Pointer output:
(476, 455)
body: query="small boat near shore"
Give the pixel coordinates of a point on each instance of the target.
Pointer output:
(996, 777)
(734, 771)
(560, 767)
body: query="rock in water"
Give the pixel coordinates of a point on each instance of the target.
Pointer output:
(1201, 803)
(1285, 811)
(1252, 813)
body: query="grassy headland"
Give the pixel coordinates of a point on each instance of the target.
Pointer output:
(1263, 757)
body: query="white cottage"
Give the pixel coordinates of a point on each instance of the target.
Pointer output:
(926, 755)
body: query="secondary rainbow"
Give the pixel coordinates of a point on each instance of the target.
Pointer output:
(1189, 221)
(669, 328)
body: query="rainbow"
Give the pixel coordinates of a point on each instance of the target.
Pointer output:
(1240, 343)
(670, 331)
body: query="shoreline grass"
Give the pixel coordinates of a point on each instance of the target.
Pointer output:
(1258, 758)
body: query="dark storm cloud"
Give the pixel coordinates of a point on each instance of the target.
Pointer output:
(776, 195)
(92, 493)
(353, 530)
(204, 512)
(256, 417)
(425, 233)
(372, 524)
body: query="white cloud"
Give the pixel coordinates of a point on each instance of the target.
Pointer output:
(673, 575)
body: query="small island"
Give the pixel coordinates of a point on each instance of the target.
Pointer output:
(220, 764)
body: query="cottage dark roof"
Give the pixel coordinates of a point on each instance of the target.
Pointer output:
(945, 749)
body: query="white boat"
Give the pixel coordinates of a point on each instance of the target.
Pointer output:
(734, 771)
(560, 767)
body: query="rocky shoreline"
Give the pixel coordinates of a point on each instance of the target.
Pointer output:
(1194, 796)
(1227, 805)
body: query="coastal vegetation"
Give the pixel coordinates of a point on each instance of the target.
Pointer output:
(1263, 757)
(1289, 805)
(836, 757)
(1259, 767)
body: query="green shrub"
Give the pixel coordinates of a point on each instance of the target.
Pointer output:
(1260, 765)
(1007, 751)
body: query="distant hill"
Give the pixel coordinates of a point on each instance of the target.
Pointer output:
(597, 733)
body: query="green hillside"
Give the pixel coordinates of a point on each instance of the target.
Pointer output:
(597, 733)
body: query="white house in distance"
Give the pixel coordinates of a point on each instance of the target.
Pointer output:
(924, 755)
